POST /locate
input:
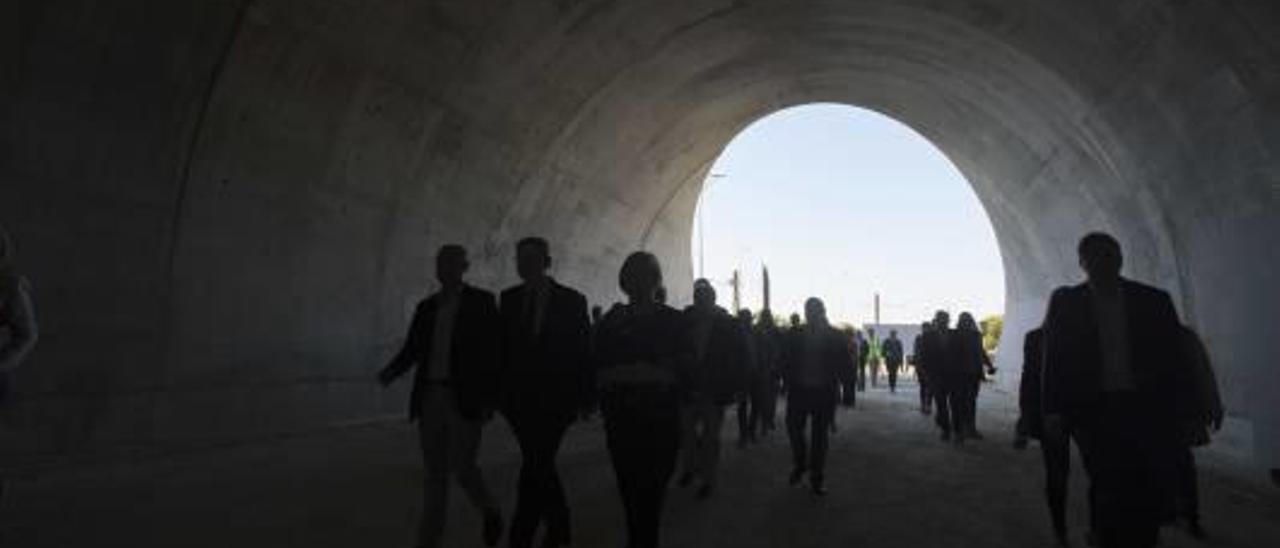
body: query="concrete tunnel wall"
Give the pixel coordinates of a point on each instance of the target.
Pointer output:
(229, 207)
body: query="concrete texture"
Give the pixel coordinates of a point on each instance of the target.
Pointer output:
(893, 485)
(228, 207)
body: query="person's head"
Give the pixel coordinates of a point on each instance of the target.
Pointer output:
(1100, 257)
(795, 320)
(871, 332)
(597, 312)
(704, 296)
(941, 320)
(966, 322)
(640, 277)
(660, 294)
(744, 316)
(451, 264)
(766, 318)
(925, 326)
(815, 312)
(893, 333)
(533, 258)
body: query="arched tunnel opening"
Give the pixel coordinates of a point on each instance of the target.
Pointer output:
(850, 206)
(228, 209)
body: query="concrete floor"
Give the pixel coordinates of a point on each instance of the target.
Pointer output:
(893, 484)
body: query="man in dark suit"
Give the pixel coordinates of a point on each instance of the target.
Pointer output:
(716, 379)
(1054, 449)
(546, 384)
(1114, 376)
(819, 364)
(893, 354)
(450, 346)
(938, 349)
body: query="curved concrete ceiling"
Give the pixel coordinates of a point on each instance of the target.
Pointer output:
(282, 170)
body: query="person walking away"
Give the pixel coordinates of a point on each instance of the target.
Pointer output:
(944, 378)
(18, 329)
(546, 380)
(874, 356)
(922, 375)
(820, 364)
(973, 363)
(893, 354)
(716, 379)
(642, 358)
(764, 389)
(452, 348)
(751, 366)
(864, 357)
(1113, 380)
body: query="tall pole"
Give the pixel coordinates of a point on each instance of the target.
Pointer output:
(737, 293)
(877, 310)
(767, 306)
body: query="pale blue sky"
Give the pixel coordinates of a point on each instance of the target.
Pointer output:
(842, 202)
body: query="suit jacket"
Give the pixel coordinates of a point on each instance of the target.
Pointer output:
(969, 355)
(723, 370)
(1031, 421)
(837, 362)
(1072, 382)
(938, 355)
(550, 370)
(473, 355)
(892, 350)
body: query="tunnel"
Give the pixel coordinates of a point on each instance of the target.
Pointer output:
(228, 208)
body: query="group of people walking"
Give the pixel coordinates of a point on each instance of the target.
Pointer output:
(951, 365)
(1111, 369)
(663, 379)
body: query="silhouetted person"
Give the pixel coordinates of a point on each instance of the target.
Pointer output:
(945, 380)
(818, 366)
(922, 376)
(716, 378)
(642, 354)
(451, 346)
(874, 356)
(864, 358)
(1055, 449)
(764, 384)
(18, 330)
(1114, 376)
(547, 381)
(1207, 413)
(972, 364)
(751, 365)
(893, 354)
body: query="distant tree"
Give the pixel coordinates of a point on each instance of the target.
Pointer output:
(992, 327)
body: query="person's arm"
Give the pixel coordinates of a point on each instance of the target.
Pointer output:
(1052, 368)
(24, 333)
(580, 329)
(404, 359)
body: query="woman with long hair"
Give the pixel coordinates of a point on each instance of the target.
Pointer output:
(642, 356)
(972, 362)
